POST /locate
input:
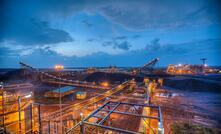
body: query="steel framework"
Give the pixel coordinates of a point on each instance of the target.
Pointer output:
(151, 63)
(110, 108)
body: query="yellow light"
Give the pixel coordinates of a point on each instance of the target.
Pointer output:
(28, 96)
(59, 67)
(105, 84)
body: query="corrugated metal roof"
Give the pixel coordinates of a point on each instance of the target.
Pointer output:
(80, 92)
(63, 89)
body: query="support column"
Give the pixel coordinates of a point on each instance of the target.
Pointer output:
(160, 128)
(3, 110)
(81, 128)
(19, 113)
(31, 118)
(39, 119)
(160, 123)
(49, 127)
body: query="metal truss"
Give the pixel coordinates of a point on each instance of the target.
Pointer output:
(113, 107)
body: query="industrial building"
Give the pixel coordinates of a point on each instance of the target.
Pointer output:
(63, 90)
(81, 95)
(185, 69)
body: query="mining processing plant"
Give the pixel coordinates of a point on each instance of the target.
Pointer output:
(76, 106)
(102, 100)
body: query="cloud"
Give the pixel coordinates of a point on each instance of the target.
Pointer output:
(86, 22)
(28, 22)
(136, 36)
(189, 51)
(154, 45)
(144, 14)
(29, 31)
(140, 15)
(22, 23)
(168, 54)
(120, 38)
(125, 45)
(118, 42)
(91, 40)
(122, 45)
(6, 52)
(107, 43)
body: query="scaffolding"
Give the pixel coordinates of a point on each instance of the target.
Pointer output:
(100, 123)
(19, 114)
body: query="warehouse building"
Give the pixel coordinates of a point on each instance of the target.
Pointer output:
(63, 90)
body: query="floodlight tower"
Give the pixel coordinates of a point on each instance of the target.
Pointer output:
(58, 69)
(204, 61)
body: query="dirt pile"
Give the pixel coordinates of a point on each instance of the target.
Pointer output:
(111, 77)
(193, 84)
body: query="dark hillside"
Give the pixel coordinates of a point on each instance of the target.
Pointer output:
(101, 76)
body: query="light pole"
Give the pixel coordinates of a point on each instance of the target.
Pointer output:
(3, 117)
(19, 112)
(81, 124)
(59, 68)
(203, 60)
(81, 114)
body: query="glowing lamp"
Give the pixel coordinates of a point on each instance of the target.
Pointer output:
(105, 84)
(59, 67)
(27, 96)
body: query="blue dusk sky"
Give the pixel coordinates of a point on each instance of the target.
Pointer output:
(82, 33)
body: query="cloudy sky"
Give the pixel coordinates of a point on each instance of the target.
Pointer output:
(85, 33)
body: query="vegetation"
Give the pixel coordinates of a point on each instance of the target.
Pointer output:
(189, 128)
